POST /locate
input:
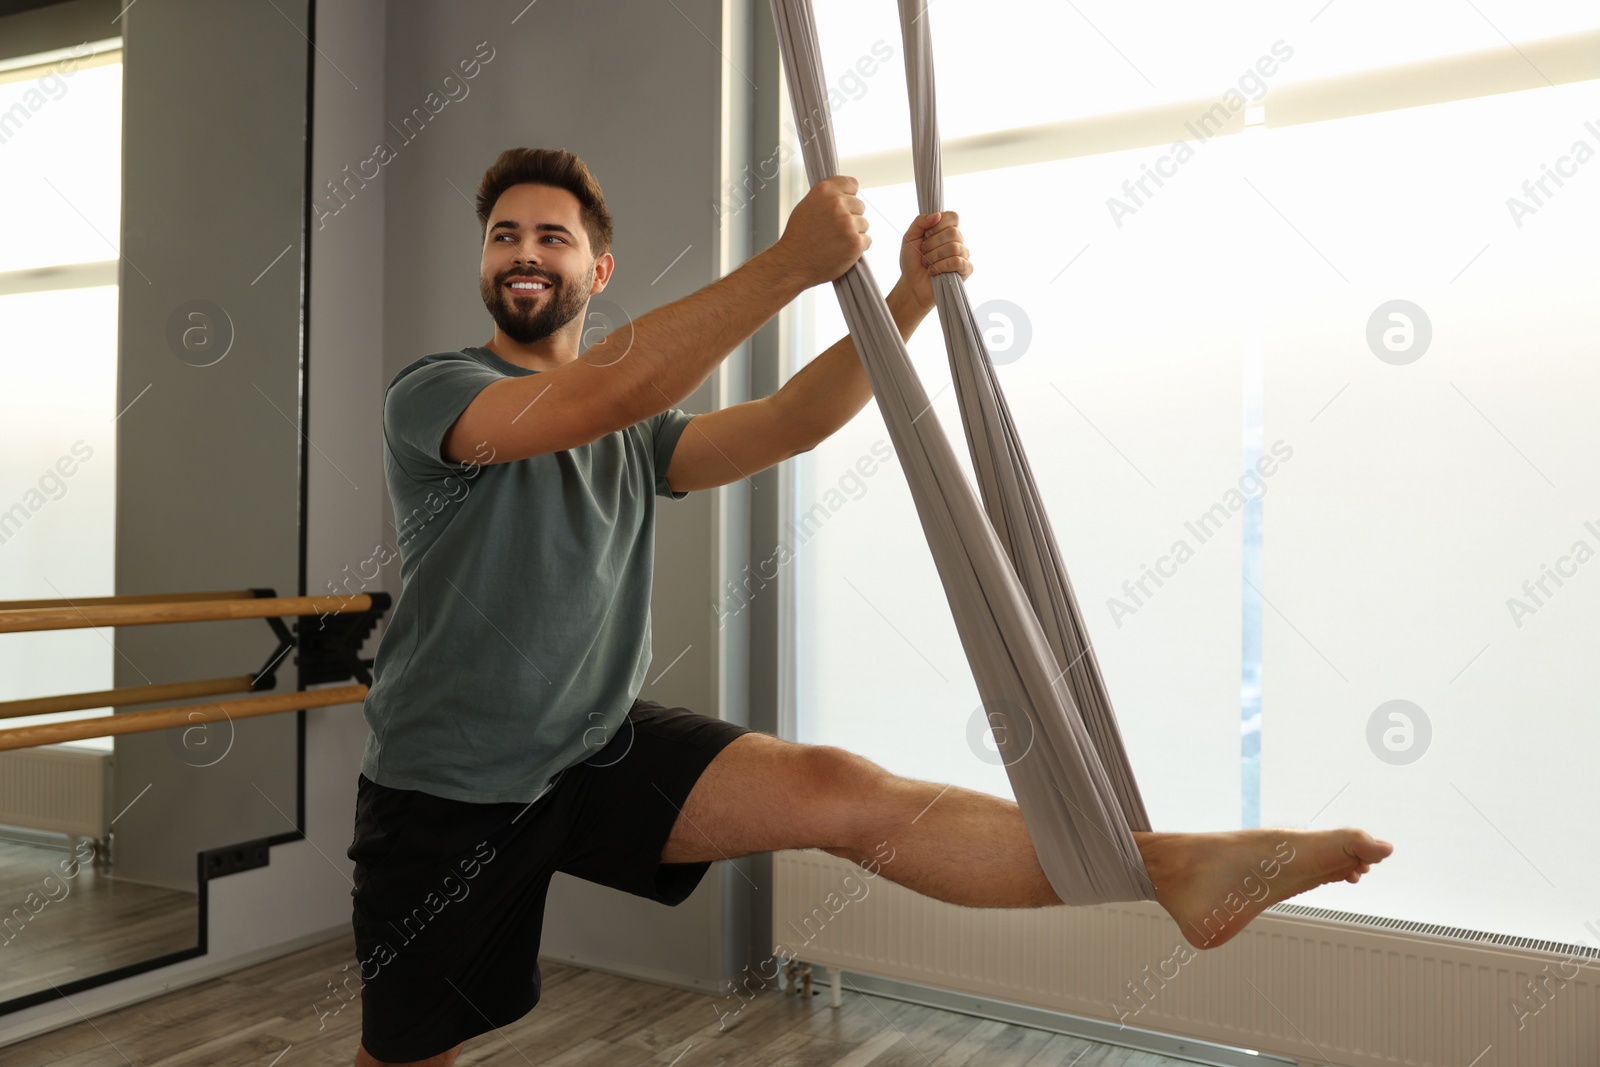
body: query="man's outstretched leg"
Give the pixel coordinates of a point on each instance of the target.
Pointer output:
(762, 794)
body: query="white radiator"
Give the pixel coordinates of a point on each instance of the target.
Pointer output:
(58, 788)
(1298, 982)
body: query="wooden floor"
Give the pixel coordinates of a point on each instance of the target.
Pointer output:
(268, 1016)
(84, 925)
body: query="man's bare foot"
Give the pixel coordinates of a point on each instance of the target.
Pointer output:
(1214, 884)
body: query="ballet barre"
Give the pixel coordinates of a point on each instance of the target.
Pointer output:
(133, 722)
(80, 616)
(327, 635)
(128, 694)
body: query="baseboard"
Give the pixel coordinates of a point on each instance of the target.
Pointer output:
(1178, 1048)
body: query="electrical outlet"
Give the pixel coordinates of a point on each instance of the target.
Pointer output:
(234, 858)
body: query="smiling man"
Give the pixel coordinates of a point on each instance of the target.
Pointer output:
(508, 740)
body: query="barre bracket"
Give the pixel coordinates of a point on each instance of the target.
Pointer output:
(330, 645)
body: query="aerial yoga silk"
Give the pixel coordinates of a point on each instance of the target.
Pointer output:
(1014, 608)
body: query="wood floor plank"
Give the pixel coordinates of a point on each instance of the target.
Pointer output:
(868, 1051)
(926, 1033)
(64, 928)
(248, 1019)
(1064, 1051)
(994, 1044)
(835, 1033)
(696, 1017)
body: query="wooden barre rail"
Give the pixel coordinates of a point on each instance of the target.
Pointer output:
(133, 722)
(132, 598)
(128, 694)
(19, 620)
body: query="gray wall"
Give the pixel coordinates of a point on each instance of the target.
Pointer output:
(634, 90)
(208, 471)
(303, 896)
(638, 97)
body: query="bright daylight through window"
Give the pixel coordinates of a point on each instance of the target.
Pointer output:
(61, 156)
(1315, 440)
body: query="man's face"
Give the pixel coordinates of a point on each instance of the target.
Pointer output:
(536, 235)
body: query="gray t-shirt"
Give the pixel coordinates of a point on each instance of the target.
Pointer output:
(521, 635)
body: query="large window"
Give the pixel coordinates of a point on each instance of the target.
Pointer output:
(60, 174)
(1291, 307)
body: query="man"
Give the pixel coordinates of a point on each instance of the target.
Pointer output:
(507, 739)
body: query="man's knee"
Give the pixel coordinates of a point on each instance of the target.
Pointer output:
(846, 790)
(837, 772)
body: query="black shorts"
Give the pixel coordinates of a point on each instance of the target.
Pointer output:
(449, 896)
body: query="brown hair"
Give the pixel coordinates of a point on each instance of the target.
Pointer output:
(548, 166)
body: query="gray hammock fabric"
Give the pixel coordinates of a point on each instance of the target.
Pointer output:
(1014, 608)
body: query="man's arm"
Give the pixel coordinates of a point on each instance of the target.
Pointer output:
(674, 349)
(723, 446)
(738, 441)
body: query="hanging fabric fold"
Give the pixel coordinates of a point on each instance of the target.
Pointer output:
(1039, 684)
(1004, 477)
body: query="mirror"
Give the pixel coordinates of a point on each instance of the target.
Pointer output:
(153, 257)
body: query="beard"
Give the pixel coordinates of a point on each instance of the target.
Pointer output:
(534, 316)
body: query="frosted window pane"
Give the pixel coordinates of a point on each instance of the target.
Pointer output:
(1009, 63)
(57, 483)
(61, 168)
(1127, 393)
(60, 143)
(1425, 494)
